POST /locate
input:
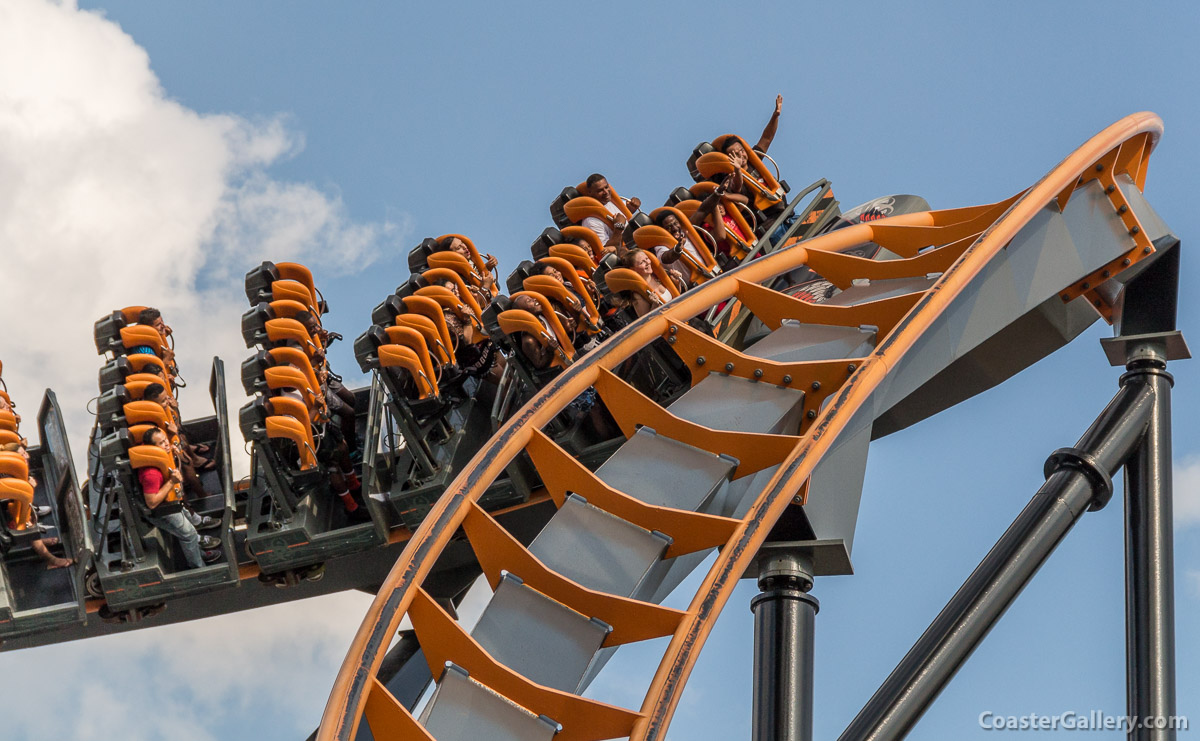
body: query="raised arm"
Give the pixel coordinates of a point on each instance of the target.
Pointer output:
(768, 135)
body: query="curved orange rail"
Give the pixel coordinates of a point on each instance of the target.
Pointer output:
(350, 691)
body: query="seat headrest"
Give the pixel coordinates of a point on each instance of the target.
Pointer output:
(107, 333)
(714, 163)
(549, 236)
(578, 209)
(572, 233)
(698, 151)
(557, 212)
(516, 279)
(258, 282)
(649, 237)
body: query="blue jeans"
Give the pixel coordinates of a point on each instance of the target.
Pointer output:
(782, 229)
(177, 525)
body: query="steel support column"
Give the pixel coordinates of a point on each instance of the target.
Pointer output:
(784, 618)
(1149, 557)
(1077, 479)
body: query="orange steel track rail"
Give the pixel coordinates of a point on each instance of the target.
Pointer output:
(1123, 147)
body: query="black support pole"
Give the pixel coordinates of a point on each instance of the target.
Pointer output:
(1077, 479)
(784, 618)
(1149, 558)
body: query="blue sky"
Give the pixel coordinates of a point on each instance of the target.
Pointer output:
(404, 120)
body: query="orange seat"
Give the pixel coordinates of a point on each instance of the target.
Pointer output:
(294, 291)
(516, 321)
(19, 495)
(400, 356)
(767, 190)
(139, 361)
(289, 428)
(290, 330)
(152, 456)
(294, 271)
(554, 290)
(556, 328)
(286, 308)
(583, 286)
(8, 421)
(146, 412)
(578, 257)
(296, 358)
(429, 330)
(472, 326)
(651, 236)
(578, 209)
(624, 279)
(131, 313)
(462, 266)
(736, 211)
(15, 487)
(8, 436)
(437, 276)
(478, 261)
(415, 341)
(617, 200)
(288, 377)
(140, 335)
(582, 232)
(286, 406)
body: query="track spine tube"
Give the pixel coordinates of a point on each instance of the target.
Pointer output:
(1150, 561)
(784, 621)
(1072, 488)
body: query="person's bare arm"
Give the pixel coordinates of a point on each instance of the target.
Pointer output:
(539, 355)
(615, 240)
(768, 135)
(157, 498)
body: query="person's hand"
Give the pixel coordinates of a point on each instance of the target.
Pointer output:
(491, 262)
(176, 476)
(618, 222)
(635, 204)
(778, 104)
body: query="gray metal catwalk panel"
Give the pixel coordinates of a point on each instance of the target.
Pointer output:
(596, 549)
(1150, 220)
(463, 710)
(5, 602)
(542, 639)
(876, 290)
(835, 488)
(665, 472)
(795, 343)
(1052, 251)
(737, 404)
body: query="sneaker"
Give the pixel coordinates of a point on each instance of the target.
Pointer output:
(210, 556)
(314, 572)
(207, 523)
(42, 511)
(209, 543)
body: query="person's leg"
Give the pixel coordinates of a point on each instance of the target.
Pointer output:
(177, 525)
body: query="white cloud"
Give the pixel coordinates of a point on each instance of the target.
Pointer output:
(277, 662)
(1186, 483)
(113, 194)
